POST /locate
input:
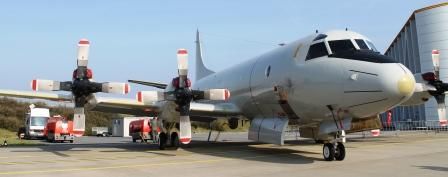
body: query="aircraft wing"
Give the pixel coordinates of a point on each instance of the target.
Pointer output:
(131, 106)
(199, 111)
(36, 95)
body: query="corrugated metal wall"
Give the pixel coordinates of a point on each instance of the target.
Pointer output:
(432, 30)
(425, 31)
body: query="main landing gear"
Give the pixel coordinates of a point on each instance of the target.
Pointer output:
(335, 149)
(163, 140)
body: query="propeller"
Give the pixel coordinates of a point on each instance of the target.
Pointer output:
(181, 94)
(82, 87)
(438, 88)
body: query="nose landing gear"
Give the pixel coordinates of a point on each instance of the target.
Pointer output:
(332, 151)
(335, 149)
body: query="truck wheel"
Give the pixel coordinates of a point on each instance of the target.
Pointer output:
(71, 141)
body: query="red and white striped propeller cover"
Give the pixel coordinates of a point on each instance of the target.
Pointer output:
(150, 96)
(116, 87)
(45, 85)
(217, 94)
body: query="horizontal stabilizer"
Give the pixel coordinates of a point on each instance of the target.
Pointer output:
(151, 84)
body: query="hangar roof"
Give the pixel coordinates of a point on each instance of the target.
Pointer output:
(412, 17)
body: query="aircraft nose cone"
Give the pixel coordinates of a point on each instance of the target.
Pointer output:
(406, 85)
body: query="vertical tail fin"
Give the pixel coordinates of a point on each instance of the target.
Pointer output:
(201, 70)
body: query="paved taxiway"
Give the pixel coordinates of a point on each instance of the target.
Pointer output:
(405, 155)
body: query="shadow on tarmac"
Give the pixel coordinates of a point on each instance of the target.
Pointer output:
(251, 151)
(435, 168)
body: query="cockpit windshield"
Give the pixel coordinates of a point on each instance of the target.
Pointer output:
(317, 50)
(361, 44)
(338, 46)
(372, 46)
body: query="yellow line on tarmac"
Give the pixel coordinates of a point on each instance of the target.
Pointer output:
(70, 154)
(8, 163)
(121, 166)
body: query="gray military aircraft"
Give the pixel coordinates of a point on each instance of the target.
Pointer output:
(328, 84)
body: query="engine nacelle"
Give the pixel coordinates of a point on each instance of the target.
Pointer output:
(115, 87)
(150, 96)
(268, 130)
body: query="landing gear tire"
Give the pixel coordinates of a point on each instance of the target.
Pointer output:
(175, 140)
(162, 141)
(339, 152)
(328, 152)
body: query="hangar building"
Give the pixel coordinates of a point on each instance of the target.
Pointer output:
(425, 30)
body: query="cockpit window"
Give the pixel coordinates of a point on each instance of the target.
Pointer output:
(362, 44)
(341, 46)
(317, 50)
(372, 46)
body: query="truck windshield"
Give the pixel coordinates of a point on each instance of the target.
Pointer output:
(39, 121)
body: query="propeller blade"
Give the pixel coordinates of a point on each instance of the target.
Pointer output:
(436, 62)
(115, 87)
(185, 129)
(182, 66)
(441, 109)
(212, 94)
(151, 84)
(150, 96)
(83, 52)
(217, 94)
(50, 85)
(79, 119)
(82, 58)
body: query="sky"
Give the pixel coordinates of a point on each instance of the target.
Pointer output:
(138, 39)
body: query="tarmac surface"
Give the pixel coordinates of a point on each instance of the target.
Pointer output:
(233, 155)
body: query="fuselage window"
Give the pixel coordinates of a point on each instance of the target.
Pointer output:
(317, 50)
(341, 46)
(372, 46)
(361, 44)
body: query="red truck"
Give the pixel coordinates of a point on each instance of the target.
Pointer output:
(59, 129)
(141, 130)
